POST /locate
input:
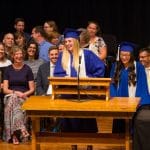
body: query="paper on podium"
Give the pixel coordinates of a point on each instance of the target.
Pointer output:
(49, 91)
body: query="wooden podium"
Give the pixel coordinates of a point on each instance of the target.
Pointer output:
(83, 86)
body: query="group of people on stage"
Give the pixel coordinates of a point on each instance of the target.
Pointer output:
(47, 53)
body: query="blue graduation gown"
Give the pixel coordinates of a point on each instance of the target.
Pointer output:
(94, 68)
(93, 65)
(122, 89)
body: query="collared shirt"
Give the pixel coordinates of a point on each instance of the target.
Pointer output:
(52, 67)
(147, 70)
(43, 50)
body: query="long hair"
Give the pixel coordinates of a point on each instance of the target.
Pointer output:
(4, 56)
(99, 32)
(52, 24)
(36, 56)
(75, 53)
(131, 75)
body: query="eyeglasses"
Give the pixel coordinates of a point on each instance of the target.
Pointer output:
(31, 51)
(142, 57)
(1, 50)
(125, 55)
(32, 47)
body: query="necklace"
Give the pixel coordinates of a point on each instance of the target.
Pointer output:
(18, 67)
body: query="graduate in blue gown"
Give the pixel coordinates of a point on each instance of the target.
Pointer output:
(128, 76)
(68, 65)
(128, 79)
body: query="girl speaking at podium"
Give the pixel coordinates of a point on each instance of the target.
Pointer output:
(68, 64)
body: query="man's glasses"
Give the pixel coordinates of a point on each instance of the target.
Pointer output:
(142, 57)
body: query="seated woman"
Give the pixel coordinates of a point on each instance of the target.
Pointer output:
(4, 62)
(96, 43)
(32, 58)
(18, 85)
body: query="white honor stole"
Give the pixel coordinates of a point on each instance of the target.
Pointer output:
(82, 72)
(132, 88)
(147, 70)
(49, 90)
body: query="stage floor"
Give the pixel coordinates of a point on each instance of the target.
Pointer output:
(27, 146)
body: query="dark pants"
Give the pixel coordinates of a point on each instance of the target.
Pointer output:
(83, 125)
(88, 125)
(141, 134)
(118, 126)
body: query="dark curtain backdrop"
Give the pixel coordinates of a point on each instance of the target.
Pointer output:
(127, 19)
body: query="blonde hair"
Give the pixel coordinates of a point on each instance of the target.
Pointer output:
(15, 49)
(75, 53)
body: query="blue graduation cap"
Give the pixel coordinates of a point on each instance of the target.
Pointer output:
(127, 46)
(71, 33)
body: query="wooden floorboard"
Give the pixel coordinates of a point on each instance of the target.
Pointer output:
(105, 128)
(27, 146)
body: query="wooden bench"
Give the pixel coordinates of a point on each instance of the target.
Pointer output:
(80, 139)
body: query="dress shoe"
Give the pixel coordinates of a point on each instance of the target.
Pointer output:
(74, 147)
(89, 147)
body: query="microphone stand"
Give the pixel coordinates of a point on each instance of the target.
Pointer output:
(78, 86)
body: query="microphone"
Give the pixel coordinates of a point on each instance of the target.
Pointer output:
(80, 57)
(78, 86)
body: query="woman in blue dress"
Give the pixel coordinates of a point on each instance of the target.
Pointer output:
(18, 84)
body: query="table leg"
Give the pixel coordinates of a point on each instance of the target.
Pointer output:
(35, 128)
(127, 135)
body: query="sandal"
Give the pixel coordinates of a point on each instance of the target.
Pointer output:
(25, 133)
(15, 140)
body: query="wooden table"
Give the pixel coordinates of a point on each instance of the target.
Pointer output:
(44, 106)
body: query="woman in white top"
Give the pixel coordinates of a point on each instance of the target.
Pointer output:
(97, 44)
